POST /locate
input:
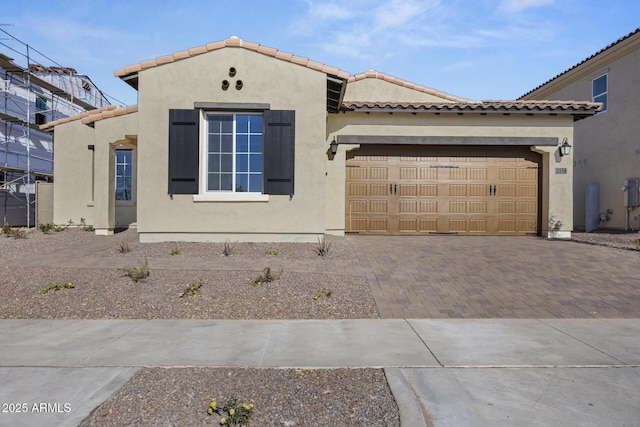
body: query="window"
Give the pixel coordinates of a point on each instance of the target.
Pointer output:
(41, 108)
(244, 155)
(124, 187)
(234, 153)
(599, 91)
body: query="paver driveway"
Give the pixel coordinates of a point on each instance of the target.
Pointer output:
(499, 277)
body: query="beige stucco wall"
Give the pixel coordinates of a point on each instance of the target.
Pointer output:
(84, 183)
(285, 86)
(73, 173)
(556, 187)
(374, 89)
(607, 146)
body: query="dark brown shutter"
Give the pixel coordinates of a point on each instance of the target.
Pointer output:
(279, 151)
(183, 151)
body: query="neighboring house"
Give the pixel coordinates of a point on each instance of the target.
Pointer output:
(234, 140)
(30, 97)
(607, 146)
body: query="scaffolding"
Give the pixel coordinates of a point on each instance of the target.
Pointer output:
(30, 96)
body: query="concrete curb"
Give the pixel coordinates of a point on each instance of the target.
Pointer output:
(409, 405)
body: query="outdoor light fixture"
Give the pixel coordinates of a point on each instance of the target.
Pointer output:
(334, 147)
(565, 148)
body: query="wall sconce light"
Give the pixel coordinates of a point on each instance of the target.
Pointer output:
(565, 148)
(334, 147)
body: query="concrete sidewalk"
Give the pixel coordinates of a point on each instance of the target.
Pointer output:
(461, 372)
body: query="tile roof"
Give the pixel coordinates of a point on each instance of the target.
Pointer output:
(236, 42)
(579, 109)
(372, 74)
(89, 117)
(620, 40)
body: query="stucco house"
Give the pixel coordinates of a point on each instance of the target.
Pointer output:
(235, 140)
(607, 146)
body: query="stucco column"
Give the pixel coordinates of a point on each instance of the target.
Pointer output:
(556, 192)
(104, 190)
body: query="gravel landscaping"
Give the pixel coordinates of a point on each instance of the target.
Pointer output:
(281, 397)
(180, 396)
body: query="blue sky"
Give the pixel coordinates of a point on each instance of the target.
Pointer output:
(477, 49)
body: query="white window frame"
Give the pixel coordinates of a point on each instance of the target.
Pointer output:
(599, 95)
(204, 195)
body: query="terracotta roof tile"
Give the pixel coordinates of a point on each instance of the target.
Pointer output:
(560, 107)
(197, 50)
(215, 45)
(372, 74)
(93, 115)
(236, 43)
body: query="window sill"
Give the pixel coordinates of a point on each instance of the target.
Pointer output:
(231, 197)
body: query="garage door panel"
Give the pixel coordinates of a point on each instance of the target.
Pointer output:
(477, 207)
(457, 225)
(379, 206)
(408, 190)
(426, 190)
(408, 206)
(409, 225)
(358, 206)
(457, 207)
(477, 174)
(379, 190)
(428, 206)
(358, 189)
(429, 173)
(409, 173)
(378, 225)
(478, 225)
(357, 173)
(379, 173)
(527, 191)
(458, 190)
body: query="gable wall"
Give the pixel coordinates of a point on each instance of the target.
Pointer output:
(373, 89)
(285, 86)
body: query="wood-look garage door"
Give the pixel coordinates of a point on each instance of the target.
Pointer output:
(463, 190)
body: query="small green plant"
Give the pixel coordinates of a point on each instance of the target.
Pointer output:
(16, 233)
(266, 276)
(272, 252)
(176, 251)
(48, 228)
(192, 289)
(324, 246)
(57, 286)
(229, 247)
(232, 412)
(322, 293)
(137, 273)
(123, 247)
(85, 227)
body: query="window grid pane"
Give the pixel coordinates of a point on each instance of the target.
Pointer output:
(234, 153)
(123, 174)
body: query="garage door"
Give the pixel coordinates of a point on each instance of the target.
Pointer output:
(421, 190)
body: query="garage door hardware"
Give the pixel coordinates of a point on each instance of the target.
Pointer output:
(492, 190)
(444, 167)
(393, 189)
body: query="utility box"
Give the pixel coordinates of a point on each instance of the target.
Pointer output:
(631, 188)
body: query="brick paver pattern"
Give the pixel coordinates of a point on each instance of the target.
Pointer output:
(447, 276)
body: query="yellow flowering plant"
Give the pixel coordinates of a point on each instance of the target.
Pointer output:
(233, 413)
